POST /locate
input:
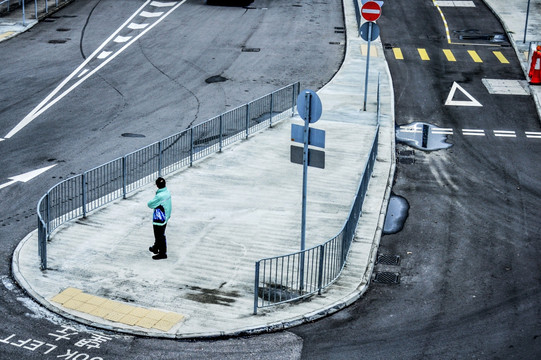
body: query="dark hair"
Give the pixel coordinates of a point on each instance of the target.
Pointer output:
(160, 183)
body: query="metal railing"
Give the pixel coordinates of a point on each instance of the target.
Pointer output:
(78, 195)
(39, 6)
(294, 276)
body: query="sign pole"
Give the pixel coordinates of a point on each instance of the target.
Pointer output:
(367, 64)
(308, 97)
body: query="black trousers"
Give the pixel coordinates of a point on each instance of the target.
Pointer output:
(160, 243)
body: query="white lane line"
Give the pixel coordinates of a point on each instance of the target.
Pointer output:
(504, 133)
(442, 131)
(135, 26)
(533, 135)
(151, 14)
(47, 103)
(122, 39)
(2, 139)
(104, 54)
(473, 132)
(162, 4)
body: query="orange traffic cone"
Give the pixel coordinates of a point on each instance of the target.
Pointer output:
(535, 68)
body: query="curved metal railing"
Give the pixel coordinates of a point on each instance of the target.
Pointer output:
(78, 195)
(297, 275)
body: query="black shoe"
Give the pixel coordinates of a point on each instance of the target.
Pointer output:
(153, 249)
(159, 256)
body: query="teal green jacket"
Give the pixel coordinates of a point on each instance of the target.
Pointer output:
(163, 198)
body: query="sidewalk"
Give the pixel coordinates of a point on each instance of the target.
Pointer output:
(228, 211)
(15, 22)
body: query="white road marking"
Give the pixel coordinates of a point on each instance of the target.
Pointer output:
(122, 39)
(83, 72)
(162, 4)
(504, 133)
(442, 131)
(151, 14)
(49, 101)
(104, 54)
(473, 132)
(26, 176)
(451, 102)
(135, 26)
(533, 135)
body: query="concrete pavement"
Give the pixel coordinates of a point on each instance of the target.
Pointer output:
(228, 211)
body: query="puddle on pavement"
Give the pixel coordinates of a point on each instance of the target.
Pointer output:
(423, 136)
(397, 213)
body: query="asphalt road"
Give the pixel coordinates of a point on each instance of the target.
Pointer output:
(153, 88)
(469, 249)
(469, 285)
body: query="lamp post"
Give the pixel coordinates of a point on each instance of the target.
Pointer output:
(526, 26)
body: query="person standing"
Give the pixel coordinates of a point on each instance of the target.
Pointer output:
(162, 201)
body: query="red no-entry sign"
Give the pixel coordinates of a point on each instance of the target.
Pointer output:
(371, 11)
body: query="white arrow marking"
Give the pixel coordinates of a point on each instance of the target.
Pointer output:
(450, 101)
(26, 176)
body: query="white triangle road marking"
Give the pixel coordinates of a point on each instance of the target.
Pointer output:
(451, 102)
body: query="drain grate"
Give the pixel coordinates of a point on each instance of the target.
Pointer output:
(387, 278)
(388, 259)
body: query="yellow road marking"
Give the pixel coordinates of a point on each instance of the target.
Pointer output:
(398, 54)
(423, 54)
(474, 56)
(500, 57)
(449, 55)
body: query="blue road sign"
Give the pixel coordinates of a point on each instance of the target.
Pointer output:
(316, 137)
(365, 31)
(309, 106)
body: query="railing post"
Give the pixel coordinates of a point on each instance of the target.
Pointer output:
(247, 120)
(191, 146)
(293, 100)
(256, 287)
(160, 158)
(83, 184)
(124, 180)
(271, 107)
(221, 130)
(320, 273)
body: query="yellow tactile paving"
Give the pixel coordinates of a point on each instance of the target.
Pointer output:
(373, 50)
(117, 311)
(6, 34)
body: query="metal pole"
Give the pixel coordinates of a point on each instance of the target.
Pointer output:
(367, 65)
(256, 287)
(83, 183)
(221, 133)
(271, 106)
(159, 159)
(526, 26)
(124, 177)
(24, 17)
(247, 119)
(308, 100)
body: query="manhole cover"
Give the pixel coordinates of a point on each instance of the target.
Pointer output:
(384, 259)
(387, 278)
